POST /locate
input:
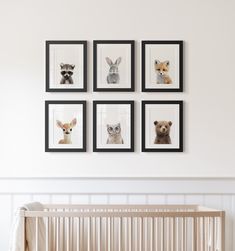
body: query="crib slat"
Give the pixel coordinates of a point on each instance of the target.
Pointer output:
(142, 233)
(99, 235)
(78, 234)
(163, 234)
(153, 233)
(222, 231)
(36, 234)
(89, 233)
(47, 233)
(68, 235)
(57, 234)
(212, 234)
(194, 234)
(120, 234)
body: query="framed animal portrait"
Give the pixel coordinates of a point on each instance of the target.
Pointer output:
(65, 126)
(66, 66)
(114, 65)
(113, 126)
(162, 126)
(162, 66)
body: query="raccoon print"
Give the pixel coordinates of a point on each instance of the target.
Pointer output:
(66, 70)
(114, 134)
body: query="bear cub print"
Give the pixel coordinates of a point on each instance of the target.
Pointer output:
(162, 129)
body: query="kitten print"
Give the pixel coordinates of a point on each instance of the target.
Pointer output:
(162, 69)
(66, 70)
(114, 134)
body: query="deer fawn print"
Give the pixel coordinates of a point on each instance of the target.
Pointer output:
(113, 76)
(67, 129)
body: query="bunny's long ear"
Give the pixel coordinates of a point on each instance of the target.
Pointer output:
(73, 122)
(59, 124)
(118, 61)
(109, 61)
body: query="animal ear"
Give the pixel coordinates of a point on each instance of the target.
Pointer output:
(167, 62)
(109, 61)
(157, 62)
(155, 122)
(59, 124)
(169, 123)
(73, 122)
(118, 61)
(73, 66)
(61, 65)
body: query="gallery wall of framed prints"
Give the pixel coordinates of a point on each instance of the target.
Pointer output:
(113, 117)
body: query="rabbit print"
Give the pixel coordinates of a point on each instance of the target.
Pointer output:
(113, 75)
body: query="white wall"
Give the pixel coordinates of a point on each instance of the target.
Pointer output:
(207, 27)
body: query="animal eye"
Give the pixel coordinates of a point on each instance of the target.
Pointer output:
(116, 128)
(63, 72)
(164, 70)
(71, 130)
(64, 130)
(70, 72)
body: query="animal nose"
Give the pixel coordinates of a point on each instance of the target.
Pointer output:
(67, 133)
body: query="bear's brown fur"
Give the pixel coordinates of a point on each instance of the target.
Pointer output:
(162, 129)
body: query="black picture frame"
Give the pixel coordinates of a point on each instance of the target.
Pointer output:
(59, 102)
(116, 102)
(143, 65)
(67, 42)
(132, 84)
(174, 102)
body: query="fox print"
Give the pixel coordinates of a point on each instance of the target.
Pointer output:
(162, 69)
(114, 134)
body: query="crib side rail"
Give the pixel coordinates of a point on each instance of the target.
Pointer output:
(122, 206)
(123, 214)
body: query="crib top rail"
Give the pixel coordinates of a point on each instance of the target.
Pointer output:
(61, 210)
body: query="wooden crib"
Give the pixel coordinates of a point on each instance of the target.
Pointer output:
(128, 228)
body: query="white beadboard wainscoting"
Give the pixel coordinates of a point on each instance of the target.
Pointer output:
(215, 193)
